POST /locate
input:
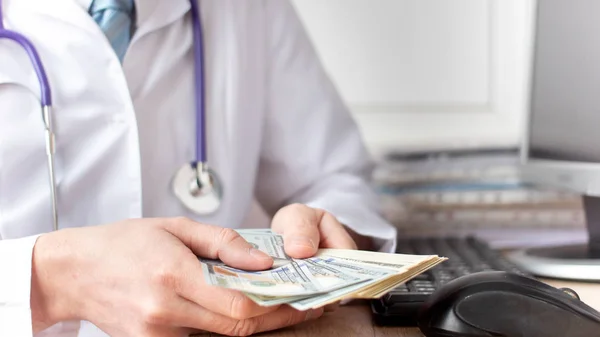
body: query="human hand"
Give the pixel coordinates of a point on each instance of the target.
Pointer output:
(143, 278)
(307, 229)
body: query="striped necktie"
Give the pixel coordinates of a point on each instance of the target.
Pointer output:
(115, 19)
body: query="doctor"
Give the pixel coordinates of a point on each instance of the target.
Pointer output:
(162, 122)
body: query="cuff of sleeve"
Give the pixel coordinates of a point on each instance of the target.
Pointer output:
(15, 321)
(15, 286)
(363, 222)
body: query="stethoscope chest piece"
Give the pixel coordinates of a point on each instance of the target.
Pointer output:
(198, 188)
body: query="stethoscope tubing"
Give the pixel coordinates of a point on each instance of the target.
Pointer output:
(200, 161)
(200, 80)
(45, 102)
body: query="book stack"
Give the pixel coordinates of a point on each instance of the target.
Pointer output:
(475, 192)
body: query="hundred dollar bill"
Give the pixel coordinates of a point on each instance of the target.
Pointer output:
(371, 274)
(268, 242)
(269, 301)
(328, 267)
(289, 280)
(316, 268)
(330, 276)
(297, 278)
(380, 266)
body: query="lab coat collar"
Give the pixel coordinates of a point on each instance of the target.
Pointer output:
(155, 14)
(151, 14)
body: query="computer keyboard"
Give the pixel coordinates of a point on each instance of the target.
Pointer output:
(465, 256)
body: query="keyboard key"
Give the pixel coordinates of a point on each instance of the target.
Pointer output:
(425, 289)
(466, 256)
(423, 276)
(400, 289)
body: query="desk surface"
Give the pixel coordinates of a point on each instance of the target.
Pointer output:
(355, 319)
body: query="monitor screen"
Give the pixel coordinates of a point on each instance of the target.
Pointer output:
(565, 102)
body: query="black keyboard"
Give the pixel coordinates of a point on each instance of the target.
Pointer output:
(465, 256)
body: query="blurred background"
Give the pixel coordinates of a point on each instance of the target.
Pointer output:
(440, 92)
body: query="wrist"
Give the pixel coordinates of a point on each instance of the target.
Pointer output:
(50, 301)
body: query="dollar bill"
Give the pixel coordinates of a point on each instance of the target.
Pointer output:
(370, 275)
(269, 243)
(330, 276)
(289, 280)
(269, 301)
(297, 278)
(350, 272)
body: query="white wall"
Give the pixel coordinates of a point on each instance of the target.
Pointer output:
(427, 73)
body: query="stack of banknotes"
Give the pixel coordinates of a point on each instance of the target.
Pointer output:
(330, 276)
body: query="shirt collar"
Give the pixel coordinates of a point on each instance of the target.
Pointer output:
(152, 14)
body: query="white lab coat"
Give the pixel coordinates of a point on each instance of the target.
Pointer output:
(277, 130)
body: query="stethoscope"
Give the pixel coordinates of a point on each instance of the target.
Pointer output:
(195, 184)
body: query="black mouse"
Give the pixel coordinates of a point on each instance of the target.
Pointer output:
(500, 304)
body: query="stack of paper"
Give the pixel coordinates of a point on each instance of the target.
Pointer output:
(330, 276)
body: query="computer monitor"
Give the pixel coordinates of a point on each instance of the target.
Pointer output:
(562, 143)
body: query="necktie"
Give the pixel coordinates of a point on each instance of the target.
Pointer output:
(115, 19)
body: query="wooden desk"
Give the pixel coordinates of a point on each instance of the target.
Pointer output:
(355, 319)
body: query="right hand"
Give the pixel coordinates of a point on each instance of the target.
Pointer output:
(142, 278)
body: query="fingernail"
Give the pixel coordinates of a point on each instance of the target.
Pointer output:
(257, 254)
(302, 241)
(313, 313)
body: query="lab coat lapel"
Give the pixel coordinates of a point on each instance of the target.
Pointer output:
(155, 14)
(68, 11)
(151, 14)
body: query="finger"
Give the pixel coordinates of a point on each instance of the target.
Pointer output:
(226, 302)
(299, 225)
(285, 316)
(187, 281)
(334, 235)
(215, 242)
(193, 316)
(181, 312)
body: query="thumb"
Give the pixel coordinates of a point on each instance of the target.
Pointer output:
(214, 242)
(299, 225)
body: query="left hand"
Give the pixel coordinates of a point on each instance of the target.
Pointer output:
(306, 229)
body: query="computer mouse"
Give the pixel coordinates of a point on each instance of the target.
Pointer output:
(501, 304)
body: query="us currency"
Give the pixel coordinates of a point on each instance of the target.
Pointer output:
(289, 280)
(268, 242)
(356, 276)
(269, 301)
(319, 268)
(369, 275)
(376, 275)
(297, 278)
(330, 276)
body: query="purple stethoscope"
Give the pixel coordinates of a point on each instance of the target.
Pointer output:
(196, 185)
